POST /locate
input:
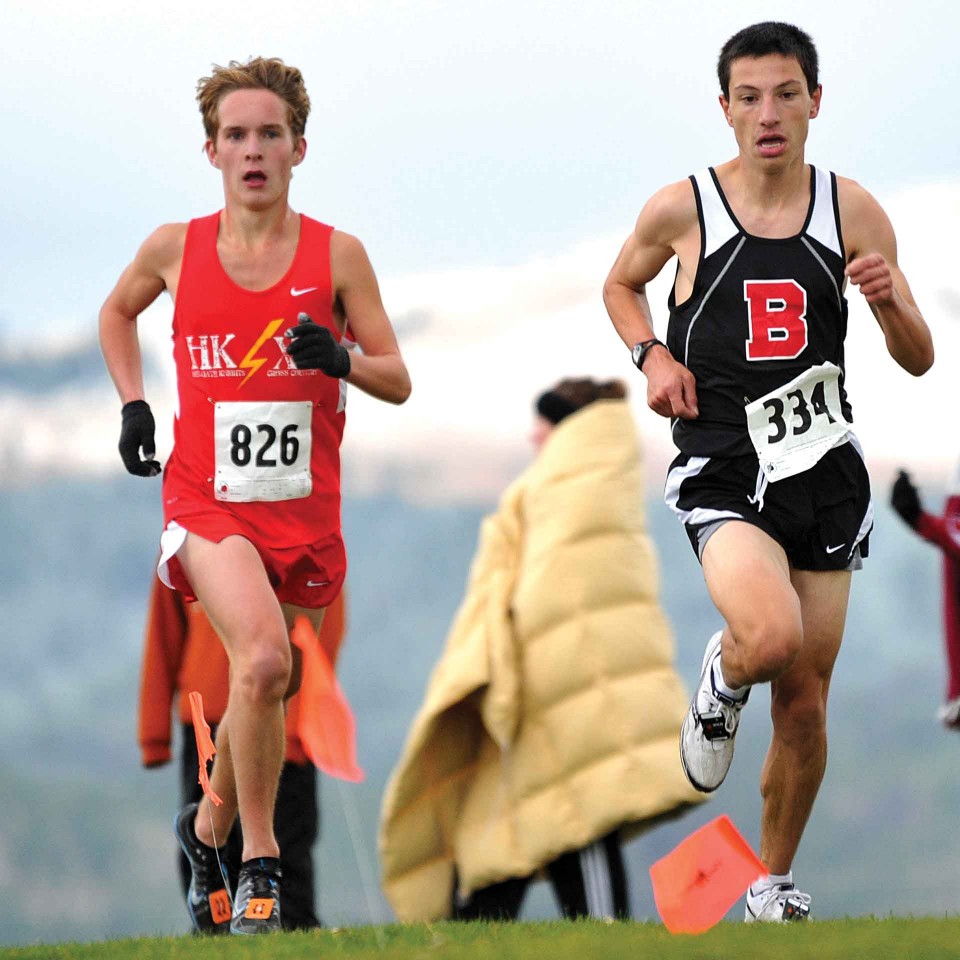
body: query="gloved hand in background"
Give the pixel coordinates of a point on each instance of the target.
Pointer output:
(905, 500)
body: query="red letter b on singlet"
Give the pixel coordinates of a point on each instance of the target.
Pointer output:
(778, 319)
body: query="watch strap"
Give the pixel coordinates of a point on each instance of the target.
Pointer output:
(642, 348)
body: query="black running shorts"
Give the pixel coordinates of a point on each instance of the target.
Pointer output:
(822, 518)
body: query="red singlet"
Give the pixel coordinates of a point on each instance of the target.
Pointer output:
(256, 441)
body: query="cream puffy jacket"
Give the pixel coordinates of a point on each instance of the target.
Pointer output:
(553, 715)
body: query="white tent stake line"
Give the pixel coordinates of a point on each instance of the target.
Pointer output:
(360, 855)
(216, 850)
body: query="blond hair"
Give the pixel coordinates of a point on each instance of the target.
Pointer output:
(260, 73)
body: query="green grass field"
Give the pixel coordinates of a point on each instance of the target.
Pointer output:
(923, 939)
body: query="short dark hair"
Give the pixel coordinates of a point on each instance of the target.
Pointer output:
(765, 38)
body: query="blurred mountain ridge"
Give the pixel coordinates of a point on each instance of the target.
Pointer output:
(93, 829)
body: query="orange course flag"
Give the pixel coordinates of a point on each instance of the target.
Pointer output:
(205, 747)
(702, 877)
(327, 728)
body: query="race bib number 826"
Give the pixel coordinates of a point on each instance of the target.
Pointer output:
(262, 450)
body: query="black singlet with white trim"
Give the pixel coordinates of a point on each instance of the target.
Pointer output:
(761, 312)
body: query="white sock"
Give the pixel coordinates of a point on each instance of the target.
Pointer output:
(762, 884)
(733, 693)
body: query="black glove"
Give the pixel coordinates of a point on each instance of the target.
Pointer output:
(313, 348)
(136, 432)
(904, 499)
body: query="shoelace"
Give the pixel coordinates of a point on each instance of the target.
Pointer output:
(255, 884)
(790, 892)
(729, 708)
(730, 715)
(730, 712)
(207, 867)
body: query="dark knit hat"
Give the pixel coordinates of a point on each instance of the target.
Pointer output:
(553, 407)
(569, 396)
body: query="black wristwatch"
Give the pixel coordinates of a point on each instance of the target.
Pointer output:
(641, 350)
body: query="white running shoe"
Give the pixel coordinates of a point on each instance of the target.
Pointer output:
(709, 728)
(782, 903)
(949, 714)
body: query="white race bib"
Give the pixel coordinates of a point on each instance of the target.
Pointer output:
(793, 426)
(262, 450)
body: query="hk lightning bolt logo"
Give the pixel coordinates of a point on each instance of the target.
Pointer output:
(251, 362)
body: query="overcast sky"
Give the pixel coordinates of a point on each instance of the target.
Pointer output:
(491, 156)
(443, 134)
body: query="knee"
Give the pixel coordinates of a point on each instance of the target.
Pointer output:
(771, 648)
(262, 675)
(799, 710)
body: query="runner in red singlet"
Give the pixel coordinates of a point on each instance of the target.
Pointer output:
(252, 488)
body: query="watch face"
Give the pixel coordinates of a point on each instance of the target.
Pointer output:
(637, 352)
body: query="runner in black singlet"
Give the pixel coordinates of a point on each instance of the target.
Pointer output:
(770, 482)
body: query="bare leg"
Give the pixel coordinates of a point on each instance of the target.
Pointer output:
(797, 758)
(231, 583)
(748, 577)
(215, 823)
(783, 626)
(222, 781)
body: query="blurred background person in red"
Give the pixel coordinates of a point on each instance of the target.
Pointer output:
(182, 654)
(548, 734)
(943, 531)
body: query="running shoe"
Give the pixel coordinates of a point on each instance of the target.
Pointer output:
(709, 728)
(949, 714)
(256, 908)
(782, 903)
(207, 898)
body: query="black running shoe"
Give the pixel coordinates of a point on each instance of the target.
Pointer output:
(256, 908)
(207, 898)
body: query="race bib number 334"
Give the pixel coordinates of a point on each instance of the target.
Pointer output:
(262, 450)
(792, 427)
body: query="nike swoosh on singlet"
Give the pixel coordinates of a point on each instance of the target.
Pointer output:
(835, 549)
(294, 292)
(317, 583)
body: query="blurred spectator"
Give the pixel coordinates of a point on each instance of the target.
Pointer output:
(944, 532)
(182, 653)
(549, 730)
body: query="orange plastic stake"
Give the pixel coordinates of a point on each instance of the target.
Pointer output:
(327, 728)
(205, 747)
(702, 877)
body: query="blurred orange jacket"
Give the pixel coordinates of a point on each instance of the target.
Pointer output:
(183, 653)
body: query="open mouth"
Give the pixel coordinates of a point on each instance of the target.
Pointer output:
(771, 142)
(255, 177)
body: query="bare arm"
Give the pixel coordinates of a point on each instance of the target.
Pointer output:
(139, 285)
(379, 370)
(873, 268)
(671, 387)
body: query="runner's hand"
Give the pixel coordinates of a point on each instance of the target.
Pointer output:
(905, 500)
(313, 347)
(137, 432)
(872, 275)
(671, 387)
